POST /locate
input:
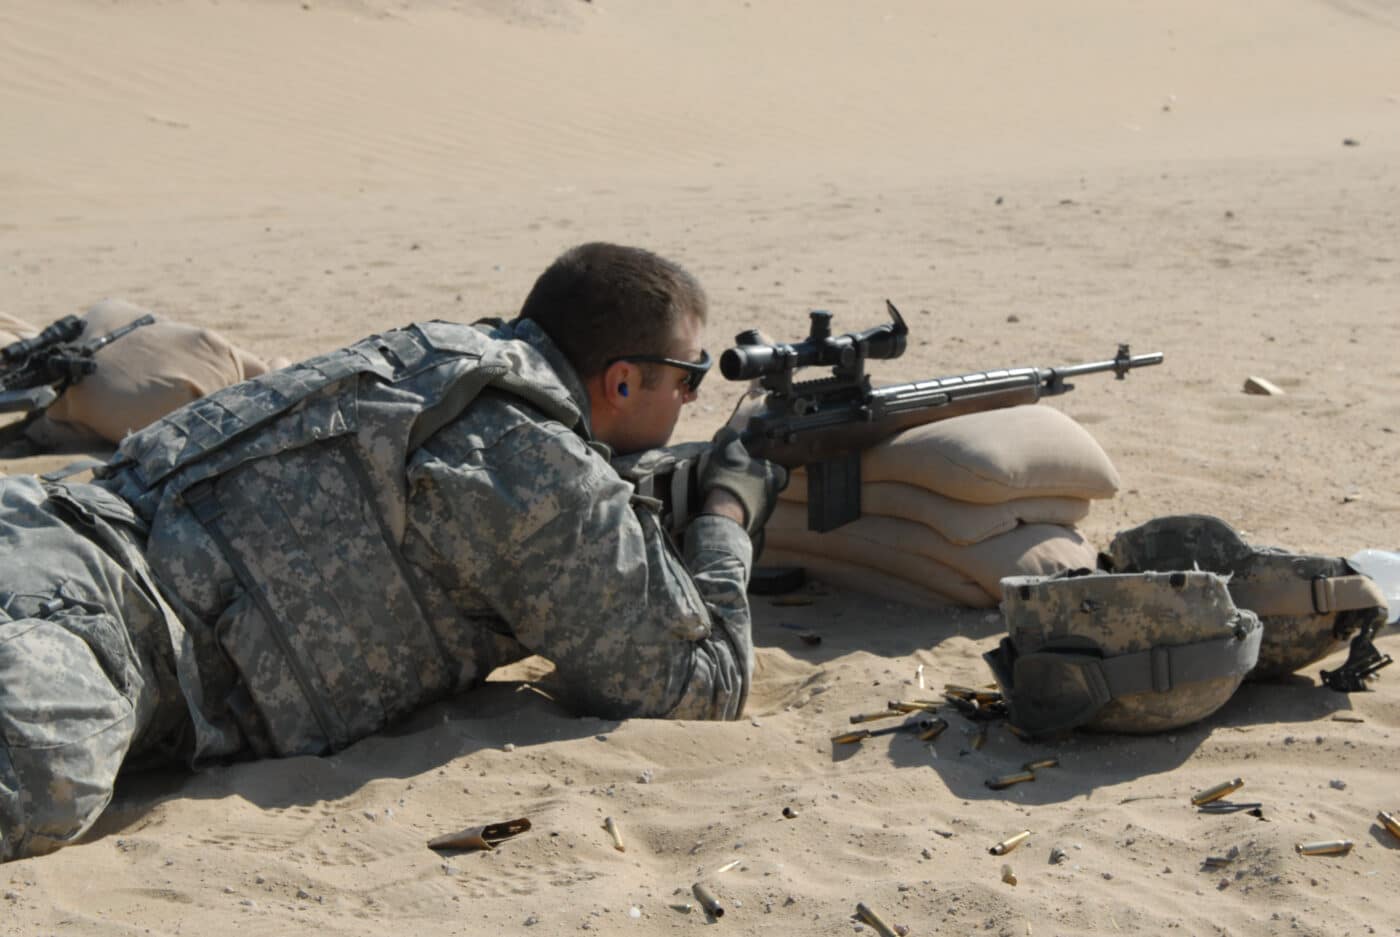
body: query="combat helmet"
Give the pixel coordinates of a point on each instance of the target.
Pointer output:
(1309, 605)
(1120, 653)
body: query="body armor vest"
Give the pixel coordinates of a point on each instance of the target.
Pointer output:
(277, 510)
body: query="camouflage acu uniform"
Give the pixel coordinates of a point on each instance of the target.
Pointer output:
(87, 677)
(350, 538)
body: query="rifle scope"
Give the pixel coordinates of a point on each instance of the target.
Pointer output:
(752, 358)
(64, 330)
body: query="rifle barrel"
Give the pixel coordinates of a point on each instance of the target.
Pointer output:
(1117, 364)
(112, 336)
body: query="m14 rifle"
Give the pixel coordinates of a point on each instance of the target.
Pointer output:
(825, 424)
(35, 371)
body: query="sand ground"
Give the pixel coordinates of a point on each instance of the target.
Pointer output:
(1031, 183)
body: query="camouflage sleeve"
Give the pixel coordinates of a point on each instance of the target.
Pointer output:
(533, 521)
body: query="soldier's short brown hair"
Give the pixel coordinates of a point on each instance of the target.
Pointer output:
(598, 301)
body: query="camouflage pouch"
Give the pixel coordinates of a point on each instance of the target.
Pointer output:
(1309, 605)
(1120, 653)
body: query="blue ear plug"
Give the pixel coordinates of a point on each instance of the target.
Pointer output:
(622, 389)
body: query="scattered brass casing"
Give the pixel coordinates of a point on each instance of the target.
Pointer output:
(1010, 843)
(1008, 876)
(971, 695)
(610, 825)
(1391, 824)
(933, 731)
(707, 901)
(859, 735)
(1331, 847)
(1052, 762)
(871, 717)
(913, 705)
(868, 915)
(1217, 792)
(481, 837)
(1006, 780)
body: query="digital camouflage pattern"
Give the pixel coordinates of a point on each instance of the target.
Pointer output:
(87, 680)
(1276, 585)
(1121, 653)
(353, 537)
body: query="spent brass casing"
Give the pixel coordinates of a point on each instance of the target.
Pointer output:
(859, 735)
(980, 738)
(1052, 762)
(988, 690)
(1217, 792)
(707, 901)
(1331, 847)
(1391, 824)
(912, 705)
(871, 717)
(933, 731)
(1010, 843)
(869, 916)
(1008, 876)
(610, 825)
(1006, 780)
(789, 813)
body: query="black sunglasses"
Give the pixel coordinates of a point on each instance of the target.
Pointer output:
(695, 371)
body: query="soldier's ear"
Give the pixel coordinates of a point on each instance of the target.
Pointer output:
(616, 383)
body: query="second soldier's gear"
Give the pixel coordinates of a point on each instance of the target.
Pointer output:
(1310, 605)
(34, 372)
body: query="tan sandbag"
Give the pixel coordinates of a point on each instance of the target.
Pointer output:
(888, 542)
(960, 522)
(1032, 451)
(143, 375)
(936, 586)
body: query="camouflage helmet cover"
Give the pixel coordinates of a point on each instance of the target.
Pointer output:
(1121, 653)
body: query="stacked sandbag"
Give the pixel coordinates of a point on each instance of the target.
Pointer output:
(950, 508)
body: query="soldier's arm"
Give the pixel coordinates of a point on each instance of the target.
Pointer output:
(583, 575)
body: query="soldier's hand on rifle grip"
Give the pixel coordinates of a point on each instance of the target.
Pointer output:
(754, 482)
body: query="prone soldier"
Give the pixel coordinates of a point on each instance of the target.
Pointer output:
(288, 565)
